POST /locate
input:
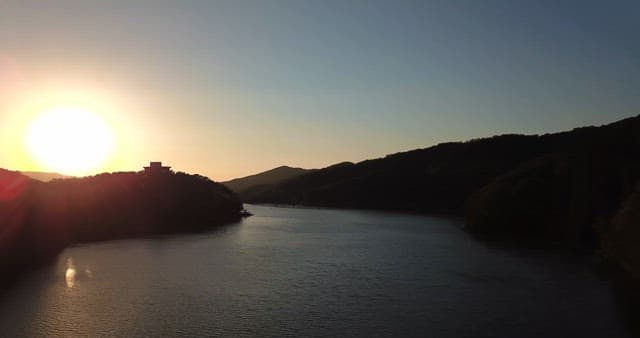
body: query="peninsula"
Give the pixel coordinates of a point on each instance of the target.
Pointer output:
(40, 219)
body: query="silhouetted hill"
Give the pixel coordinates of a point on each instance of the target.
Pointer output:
(578, 186)
(436, 179)
(245, 186)
(43, 176)
(39, 219)
(585, 192)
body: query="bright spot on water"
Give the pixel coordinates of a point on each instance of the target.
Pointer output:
(70, 274)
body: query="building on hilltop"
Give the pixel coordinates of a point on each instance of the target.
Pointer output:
(156, 168)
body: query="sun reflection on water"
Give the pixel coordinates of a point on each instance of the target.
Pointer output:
(70, 274)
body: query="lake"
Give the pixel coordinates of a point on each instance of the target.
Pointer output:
(315, 273)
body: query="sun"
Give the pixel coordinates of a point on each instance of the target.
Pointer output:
(69, 140)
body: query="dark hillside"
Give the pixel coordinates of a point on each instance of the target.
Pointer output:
(38, 220)
(436, 179)
(579, 187)
(584, 193)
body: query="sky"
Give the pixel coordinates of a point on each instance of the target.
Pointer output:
(231, 88)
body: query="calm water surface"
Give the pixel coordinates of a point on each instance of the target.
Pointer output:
(308, 272)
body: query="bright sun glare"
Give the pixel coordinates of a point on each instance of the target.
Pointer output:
(69, 140)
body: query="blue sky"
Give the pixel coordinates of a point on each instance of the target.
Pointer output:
(229, 88)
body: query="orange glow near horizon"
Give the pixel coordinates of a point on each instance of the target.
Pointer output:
(70, 140)
(78, 127)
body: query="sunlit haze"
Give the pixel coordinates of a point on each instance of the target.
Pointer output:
(231, 88)
(69, 140)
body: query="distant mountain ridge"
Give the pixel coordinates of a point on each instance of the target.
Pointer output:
(411, 180)
(436, 179)
(44, 176)
(245, 186)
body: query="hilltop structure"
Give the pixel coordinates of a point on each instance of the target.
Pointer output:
(156, 168)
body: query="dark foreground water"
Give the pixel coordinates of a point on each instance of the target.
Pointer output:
(307, 272)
